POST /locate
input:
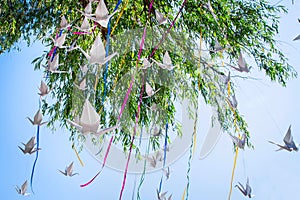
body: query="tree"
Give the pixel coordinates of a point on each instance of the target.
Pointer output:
(225, 27)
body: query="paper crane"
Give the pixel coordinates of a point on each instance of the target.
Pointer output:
(288, 141)
(246, 191)
(29, 147)
(160, 18)
(240, 142)
(167, 172)
(37, 120)
(149, 91)
(162, 195)
(297, 38)
(82, 86)
(85, 26)
(52, 66)
(232, 102)
(155, 159)
(97, 53)
(23, 189)
(89, 121)
(101, 15)
(167, 62)
(68, 171)
(157, 131)
(44, 90)
(63, 23)
(242, 65)
(88, 9)
(146, 64)
(59, 41)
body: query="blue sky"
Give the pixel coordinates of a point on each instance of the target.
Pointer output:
(268, 108)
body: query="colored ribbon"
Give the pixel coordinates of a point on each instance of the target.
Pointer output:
(77, 155)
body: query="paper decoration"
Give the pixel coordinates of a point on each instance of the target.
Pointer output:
(68, 171)
(29, 147)
(37, 120)
(23, 189)
(288, 141)
(246, 191)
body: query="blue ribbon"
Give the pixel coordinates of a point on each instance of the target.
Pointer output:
(107, 51)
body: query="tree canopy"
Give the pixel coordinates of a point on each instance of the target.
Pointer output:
(225, 29)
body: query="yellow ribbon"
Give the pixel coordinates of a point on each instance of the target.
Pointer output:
(78, 157)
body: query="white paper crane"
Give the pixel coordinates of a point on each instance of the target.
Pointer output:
(23, 189)
(97, 53)
(289, 143)
(59, 41)
(101, 15)
(160, 18)
(167, 62)
(246, 191)
(232, 102)
(146, 64)
(85, 26)
(64, 23)
(242, 65)
(89, 121)
(68, 171)
(29, 147)
(149, 91)
(44, 90)
(54, 64)
(240, 142)
(37, 120)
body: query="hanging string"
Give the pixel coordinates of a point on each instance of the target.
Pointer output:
(144, 169)
(77, 155)
(36, 153)
(134, 186)
(165, 153)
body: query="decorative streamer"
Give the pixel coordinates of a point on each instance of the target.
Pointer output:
(134, 186)
(165, 153)
(36, 154)
(144, 169)
(77, 155)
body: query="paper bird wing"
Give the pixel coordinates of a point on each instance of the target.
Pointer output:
(24, 187)
(18, 189)
(170, 197)
(161, 65)
(241, 188)
(160, 17)
(146, 64)
(38, 117)
(248, 188)
(288, 138)
(88, 8)
(23, 150)
(30, 144)
(97, 51)
(61, 40)
(101, 10)
(64, 173)
(89, 114)
(54, 64)
(69, 169)
(43, 88)
(85, 26)
(106, 130)
(297, 38)
(167, 59)
(149, 90)
(63, 22)
(76, 125)
(241, 61)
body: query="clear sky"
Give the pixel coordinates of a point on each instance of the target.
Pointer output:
(268, 108)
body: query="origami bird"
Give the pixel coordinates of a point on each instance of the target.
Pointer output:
(149, 91)
(242, 65)
(102, 16)
(37, 120)
(85, 26)
(53, 65)
(155, 159)
(44, 90)
(59, 41)
(23, 189)
(240, 142)
(97, 53)
(297, 38)
(29, 147)
(162, 195)
(232, 102)
(160, 18)
(289, 143)
(167, 172)
(68, 171)
(157, 131)
(63, 23)
(167, 62)
(88, 9)
(226, 78)
(146, 64)
(246, 191)
(89, 121)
